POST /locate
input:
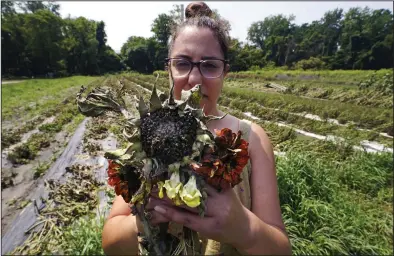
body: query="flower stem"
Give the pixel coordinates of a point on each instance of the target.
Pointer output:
(147, 231)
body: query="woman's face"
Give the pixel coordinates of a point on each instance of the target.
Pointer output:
(197, 44)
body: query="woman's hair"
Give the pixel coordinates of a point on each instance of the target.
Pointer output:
(198, 14)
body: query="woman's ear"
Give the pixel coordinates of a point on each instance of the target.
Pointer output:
(226, 70)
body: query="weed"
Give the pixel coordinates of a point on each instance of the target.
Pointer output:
(41, 168)
(28, 151)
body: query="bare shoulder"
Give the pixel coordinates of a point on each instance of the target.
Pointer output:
(259, 142)
(264, 187)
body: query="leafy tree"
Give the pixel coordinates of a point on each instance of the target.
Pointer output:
(101, 36)
(34, 6)
(273, 37)
(7, 8)
(161, 27)
(136, 55)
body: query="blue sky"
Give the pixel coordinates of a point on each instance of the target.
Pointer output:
(124, 19)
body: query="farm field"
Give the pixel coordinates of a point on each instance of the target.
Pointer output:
(332, 137)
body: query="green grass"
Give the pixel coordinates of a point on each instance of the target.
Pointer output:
(322, 217)
(83, 237)
(63, 118)
(50, 97)
(32, 97)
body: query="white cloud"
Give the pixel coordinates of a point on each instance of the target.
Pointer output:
(125, 19)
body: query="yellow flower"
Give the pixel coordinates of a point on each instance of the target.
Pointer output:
(177, 200)
(173, 185)
(161, 185)
(190, 195)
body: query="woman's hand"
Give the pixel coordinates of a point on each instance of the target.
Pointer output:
(225, 220)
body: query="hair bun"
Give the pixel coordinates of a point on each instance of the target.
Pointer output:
(197, 9)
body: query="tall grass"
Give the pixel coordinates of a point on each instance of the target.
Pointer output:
(83, 237)
(321, 217)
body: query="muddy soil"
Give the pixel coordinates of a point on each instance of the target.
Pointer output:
(22, 179)
(21, 201)
(15, 220)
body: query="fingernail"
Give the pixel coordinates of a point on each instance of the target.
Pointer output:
(160, 209)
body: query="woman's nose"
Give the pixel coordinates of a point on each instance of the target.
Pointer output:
(194, 77)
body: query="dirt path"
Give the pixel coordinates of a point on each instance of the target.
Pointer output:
(14, 235)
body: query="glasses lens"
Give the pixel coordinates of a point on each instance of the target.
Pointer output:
(212, 68)
(180, 67)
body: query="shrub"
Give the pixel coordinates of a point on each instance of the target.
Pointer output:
(311, 63)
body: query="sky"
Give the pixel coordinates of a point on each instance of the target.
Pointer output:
(124, 19)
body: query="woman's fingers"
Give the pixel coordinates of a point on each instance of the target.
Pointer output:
(157, 218)
(211, 191)
(188, 219)
(153, 201)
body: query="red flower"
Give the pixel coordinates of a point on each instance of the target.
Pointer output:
(122, 188)
(113, 173)
(223, 164)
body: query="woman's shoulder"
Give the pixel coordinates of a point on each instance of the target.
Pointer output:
(252, 132)
(255, 135)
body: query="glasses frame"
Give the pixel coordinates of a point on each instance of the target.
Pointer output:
(198, 63)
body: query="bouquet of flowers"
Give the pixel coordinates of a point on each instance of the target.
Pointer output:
(171, 148)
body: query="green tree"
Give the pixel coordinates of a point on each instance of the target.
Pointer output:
(7, 8)
(44, 36)
(101, 36)
(161, 28)
(273, 36)
(136, 54)
(81, 46)
(34, 6)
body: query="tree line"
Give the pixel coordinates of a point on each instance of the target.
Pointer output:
(36, 41)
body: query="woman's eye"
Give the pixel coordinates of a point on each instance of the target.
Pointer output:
(182, 64)
(210, 65)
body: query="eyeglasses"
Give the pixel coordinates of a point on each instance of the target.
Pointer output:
(212, 68)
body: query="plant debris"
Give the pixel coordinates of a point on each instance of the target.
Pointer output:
(66, 202)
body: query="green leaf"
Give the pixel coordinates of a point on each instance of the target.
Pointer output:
(99, 101)
(155, 102)
(142, 107)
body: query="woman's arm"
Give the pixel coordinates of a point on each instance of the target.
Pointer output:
(120, 230)
(268, 233)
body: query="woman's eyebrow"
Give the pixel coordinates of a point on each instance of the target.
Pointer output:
(190, 58)
(209, 58)
(183, 56)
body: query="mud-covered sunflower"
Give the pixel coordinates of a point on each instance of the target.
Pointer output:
(166, 133)
(169, 147)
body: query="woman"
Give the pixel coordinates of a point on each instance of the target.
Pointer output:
(246, 219)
